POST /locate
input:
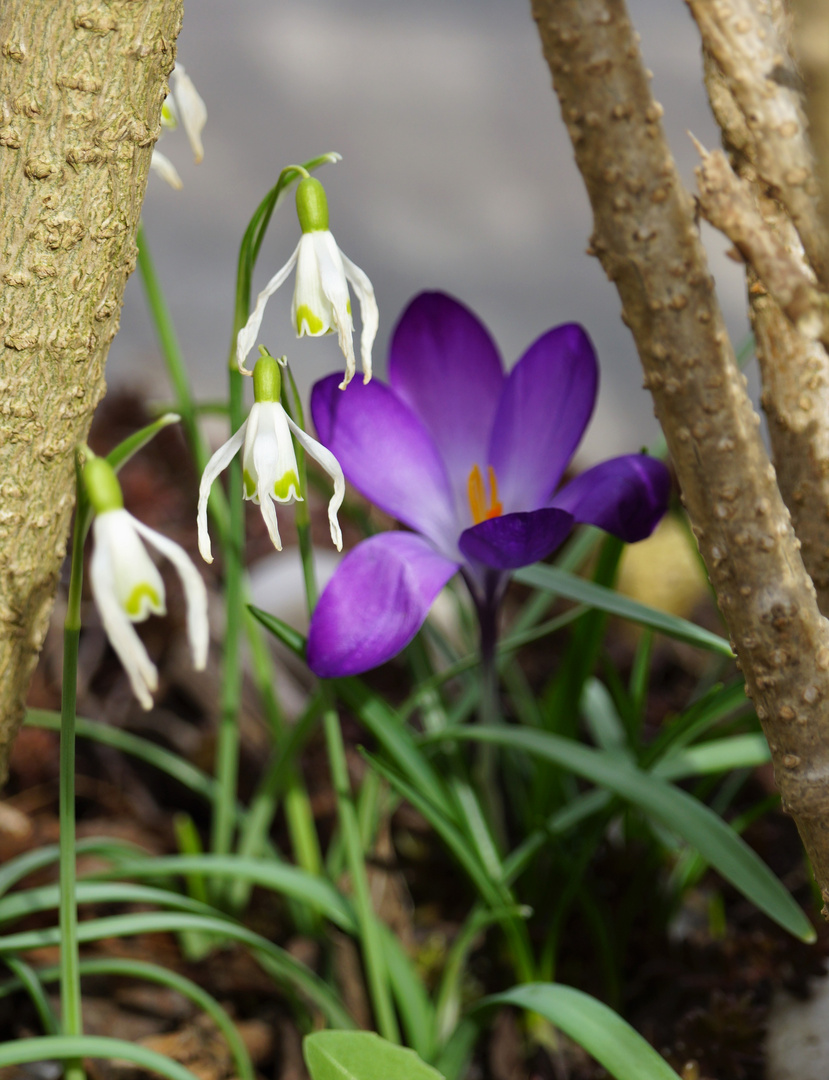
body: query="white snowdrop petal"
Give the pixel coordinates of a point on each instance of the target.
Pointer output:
(195, 592)
(190, 108)
(246, 338)
(217, 464)
(140, 669)
(327, 460)
(369, 312)
(162, 165)
(335, 287)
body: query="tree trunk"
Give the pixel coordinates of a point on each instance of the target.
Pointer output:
(81, 87)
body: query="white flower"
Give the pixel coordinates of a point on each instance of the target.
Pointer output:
(183, 104)
(321, 302)
(269, 469)
(127, 588)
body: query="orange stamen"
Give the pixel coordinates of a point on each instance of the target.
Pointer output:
(482, 508)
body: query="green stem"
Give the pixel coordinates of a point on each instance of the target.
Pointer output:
(70, 981)
(227, 743)
(373, 955)
(376, 971)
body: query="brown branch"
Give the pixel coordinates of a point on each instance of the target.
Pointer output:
(729, 204)
(794, 368)
(761, 77)
(811, 46)
(648, 242)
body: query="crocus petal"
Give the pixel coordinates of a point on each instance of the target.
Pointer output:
(191, 109)
(246, 338)
(546, 404)
(446, 367)
(335, 287)
(514, 540)
(195, 592)
(125, 641)
(375, 603)
(161, 164)
(625, 496)
(369, 312)
(217, 464)
(325, 458)
(387, 454)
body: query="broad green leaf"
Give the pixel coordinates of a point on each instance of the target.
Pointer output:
(361, 1055)
(602, 1032)
(571, 587)
(671, 806)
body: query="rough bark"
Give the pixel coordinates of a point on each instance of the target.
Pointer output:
(81, 90)
(788, 310)
(646, 237)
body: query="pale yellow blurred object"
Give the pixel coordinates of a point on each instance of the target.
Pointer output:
(664, 571)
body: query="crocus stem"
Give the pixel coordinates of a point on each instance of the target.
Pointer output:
(70, 982)
(487, 607)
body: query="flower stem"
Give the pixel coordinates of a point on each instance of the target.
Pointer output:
(70, 981)
(227, 742)
(373, 955)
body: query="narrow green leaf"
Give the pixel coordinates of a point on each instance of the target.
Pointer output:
(280, 630)
(141, 969)
(676, 809)
(718, 755)
(552, 579)
(139, 439)
(22, 865)
(277, 962)
(602, 1032)
(143, 749)
(361, 1055)
(288, 880)
(63, 1047)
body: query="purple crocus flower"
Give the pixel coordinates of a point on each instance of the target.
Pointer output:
(470, 459)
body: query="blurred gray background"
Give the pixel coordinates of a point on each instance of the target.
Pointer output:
(457, 174)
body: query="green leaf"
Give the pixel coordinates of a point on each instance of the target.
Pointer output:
(139, 439)
(603, 1034)
(69, 1047)
(150, 752)
(552, 579)
(718, 755)
(671, 806)
(277, 962)
(280, 630)
(361, 1055)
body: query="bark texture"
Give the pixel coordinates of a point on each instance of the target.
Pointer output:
(789, 311)
(648, 242)
(81, 90)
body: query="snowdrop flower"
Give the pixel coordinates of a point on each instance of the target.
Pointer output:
(269, 465)
(321, 301)
(183, 104)
(126, 584)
